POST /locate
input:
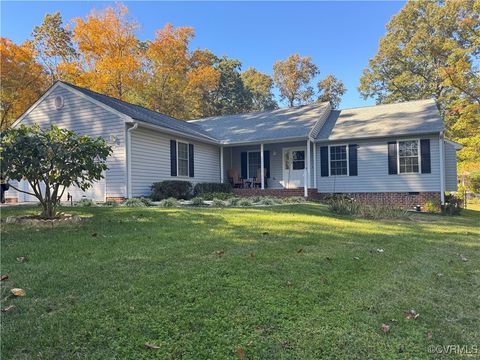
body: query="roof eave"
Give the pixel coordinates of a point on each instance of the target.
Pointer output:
(431, 132)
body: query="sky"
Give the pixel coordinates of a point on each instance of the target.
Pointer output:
(339, 36)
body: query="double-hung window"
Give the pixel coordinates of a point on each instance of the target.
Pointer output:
(182, 158)
(408, 156)
(338, 160)
(254, 163)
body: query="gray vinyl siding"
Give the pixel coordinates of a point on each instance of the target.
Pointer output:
(151, 160)
(373, 170)
(232, 159)
(451, 182)
(85, 117)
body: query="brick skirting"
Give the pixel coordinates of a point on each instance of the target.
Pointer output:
(117, 199)
(11, 200)
(404, 200)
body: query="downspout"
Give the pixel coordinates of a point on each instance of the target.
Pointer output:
(442, 167)
(129, 159)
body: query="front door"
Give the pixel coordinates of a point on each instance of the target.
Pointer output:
(293, 167)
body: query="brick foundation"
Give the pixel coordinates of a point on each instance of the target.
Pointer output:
(404, 200)
(118, 199)
(11, 200)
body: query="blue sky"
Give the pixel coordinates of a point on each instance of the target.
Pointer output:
(339, 36)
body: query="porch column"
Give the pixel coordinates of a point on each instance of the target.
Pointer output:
(262, 170)
(306, 181)
(221, 164)
(314, 165)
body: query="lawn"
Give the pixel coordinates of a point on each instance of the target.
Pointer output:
(293, 282)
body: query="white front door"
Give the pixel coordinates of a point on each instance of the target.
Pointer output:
(293, 167)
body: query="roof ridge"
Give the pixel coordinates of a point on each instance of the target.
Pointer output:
(380, 105)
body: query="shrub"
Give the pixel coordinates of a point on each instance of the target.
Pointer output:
(218, 203)
(110, 203)
(134, 202)
(84, 202)
(168, 203)
(295, 200)
(234, 201)
(197, 201)
(453, 205)
(217, 195)
(343, 205)
(146, 201)
(205, 188)
(431, 206)
(270, 201)
(245, 202)
(177, 189)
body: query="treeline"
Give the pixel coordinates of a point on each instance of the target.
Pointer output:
(102, 52)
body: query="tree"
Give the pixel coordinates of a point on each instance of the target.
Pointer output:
(431, 50)
(51, 160)
(231, 96)
(293, 76)
(22, 80)
(331, 89)
(260, 87)
(110, 55)
(53, 44)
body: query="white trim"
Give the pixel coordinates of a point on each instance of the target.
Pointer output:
(418, 156)
(266, 141)
(455, 144)
(320, 122)
(129, 161)
(292, 148)
(314, 165)
(188, 158)
(442, 167)
(262, 174)
(174, 132)
(330, 159)
(221, 165)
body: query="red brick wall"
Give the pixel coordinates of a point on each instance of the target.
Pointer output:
(398, 199)
(116, 199)
(11, 200)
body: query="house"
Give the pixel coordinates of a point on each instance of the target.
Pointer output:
(394, 153)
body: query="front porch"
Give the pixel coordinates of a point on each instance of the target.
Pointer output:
(277, 169)
(312, 193)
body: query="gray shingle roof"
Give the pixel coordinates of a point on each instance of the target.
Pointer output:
(413, 117)
(142, 114)
(264, 125)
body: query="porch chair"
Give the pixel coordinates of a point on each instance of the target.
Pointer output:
(257, 181)
(234, 178)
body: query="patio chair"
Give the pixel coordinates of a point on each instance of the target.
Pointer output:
(234, 178)
(257, 181)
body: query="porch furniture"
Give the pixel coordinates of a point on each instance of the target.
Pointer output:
(247, 183)
(234, 178)
(257, 181)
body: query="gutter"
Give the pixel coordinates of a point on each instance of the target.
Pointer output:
(441, 143)
(129, 159)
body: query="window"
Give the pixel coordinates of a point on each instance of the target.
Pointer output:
(298, 160)
(338, 160)
(182, 159)
(254, 163)
(408, 156)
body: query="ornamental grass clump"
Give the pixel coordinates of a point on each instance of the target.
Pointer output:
(198, 201)
(218, 203)
(169, 203)
(134, 202)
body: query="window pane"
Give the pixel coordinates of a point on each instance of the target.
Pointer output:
(298, 165)
(253, 163)
(408, 156)
(182, 159)
(182, 167)
(338, 160)
(298, 160)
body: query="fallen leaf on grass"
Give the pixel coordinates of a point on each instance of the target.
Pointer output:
(241, 354)
(463, 258)
(328, 258)
(429, 335)
(18, 292)
(94, 234)
(4, 277)
(289, 283)
(253, 255)
(286, 344)
(8, 308)
(401, 349)
(22, 259)
(151, 346)
(356, 258)
(219, 252)
(385, 328)
(380, 250)
(411, 314)
(299, 251)
(250, 343)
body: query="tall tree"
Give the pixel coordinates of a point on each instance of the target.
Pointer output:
(260, 87)
(331, 89)
(110, 56)
(22, 80)
(53, 44)
(432, 49)
(293, 77)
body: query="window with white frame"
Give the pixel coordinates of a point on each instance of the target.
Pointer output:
(408, 156)
(338, 160)
(182, 159)
(254, 163)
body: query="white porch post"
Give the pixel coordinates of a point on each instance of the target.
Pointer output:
(306, 181)
(315, 165)
(261, 167)
(221, 164)
(442, 168)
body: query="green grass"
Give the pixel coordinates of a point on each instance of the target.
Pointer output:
(276, 282)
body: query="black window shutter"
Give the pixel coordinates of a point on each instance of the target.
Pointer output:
(324, 160)
(266, 162)
(392, 157)
(173, 158)
(425, 156)
(244, 165)
(191, 166)
(352, 157)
